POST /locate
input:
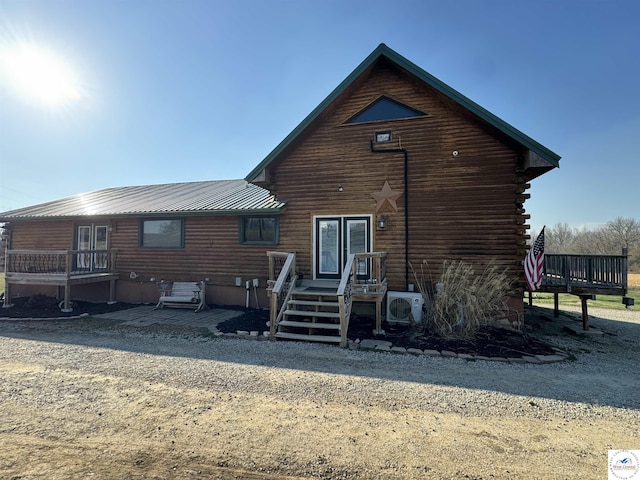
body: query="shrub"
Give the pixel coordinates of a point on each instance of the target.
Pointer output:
(461, 301)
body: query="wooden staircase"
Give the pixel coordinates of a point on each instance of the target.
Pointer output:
(311, 316)
(316, 311)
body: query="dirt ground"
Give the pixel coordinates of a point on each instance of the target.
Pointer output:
(72, 408)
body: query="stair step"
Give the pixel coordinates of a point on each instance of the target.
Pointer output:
(302, 293)
(310, 313)
(313, 303)
(308, 338)
(293, 323)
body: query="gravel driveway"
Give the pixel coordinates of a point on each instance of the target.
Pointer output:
(115, 402)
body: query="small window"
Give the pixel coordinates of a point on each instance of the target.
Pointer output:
(258, 230)
(162, 233)
(385, 109)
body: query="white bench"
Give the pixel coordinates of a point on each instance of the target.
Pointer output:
(182, 295)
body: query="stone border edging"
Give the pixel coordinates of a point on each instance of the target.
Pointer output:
(386, 346)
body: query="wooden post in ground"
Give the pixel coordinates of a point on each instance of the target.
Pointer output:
(273, 315)
(530, 298)
(378, 316)
(556, 305)
(112, 291)
(67, 284)
(343, 321)
(585, 312)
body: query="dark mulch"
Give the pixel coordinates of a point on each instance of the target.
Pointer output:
(42, 306)
(489, 341)
(251, 319)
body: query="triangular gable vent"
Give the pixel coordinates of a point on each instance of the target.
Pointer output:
(384, 109)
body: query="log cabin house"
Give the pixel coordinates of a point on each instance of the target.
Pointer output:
(393, 168)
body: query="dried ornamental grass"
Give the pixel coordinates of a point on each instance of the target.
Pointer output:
(461, 301)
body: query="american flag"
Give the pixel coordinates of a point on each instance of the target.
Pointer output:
(534, 263)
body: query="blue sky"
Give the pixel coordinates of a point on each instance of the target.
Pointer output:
(186, 90)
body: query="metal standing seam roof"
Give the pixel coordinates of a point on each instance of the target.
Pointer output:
(383, 51)
(222, 197)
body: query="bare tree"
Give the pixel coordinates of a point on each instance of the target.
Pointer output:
(608, 239)
(595, 242)
(559, 238)
(623, 232)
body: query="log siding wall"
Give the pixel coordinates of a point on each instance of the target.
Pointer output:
(460, 208)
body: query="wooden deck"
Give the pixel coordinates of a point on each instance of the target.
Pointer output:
(584, 276)
(59, 268)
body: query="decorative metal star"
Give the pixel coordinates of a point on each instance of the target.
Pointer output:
(385, 197)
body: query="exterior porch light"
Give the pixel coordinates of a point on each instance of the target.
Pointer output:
(382, 222)
(383, 137)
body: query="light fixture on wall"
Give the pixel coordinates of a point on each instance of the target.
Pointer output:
(382, 222)
(340, 188)
(383, 137)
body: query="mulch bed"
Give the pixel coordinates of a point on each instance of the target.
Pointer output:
(489, 341)
(42, 306)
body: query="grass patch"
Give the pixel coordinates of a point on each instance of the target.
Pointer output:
(603, 301)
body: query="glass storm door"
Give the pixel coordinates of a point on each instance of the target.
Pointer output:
(357, 241)
(335, 239)
(100, 243)
(91, 237)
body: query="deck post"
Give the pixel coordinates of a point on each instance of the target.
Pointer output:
(585, 311)
(556, 305)
(625, 266)
(343, 322)
(67, 297)
(7, 295)
(112, 291)
(273, 315)
(67, 284)
(530, 298)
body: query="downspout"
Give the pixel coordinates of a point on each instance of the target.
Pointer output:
(406, 204)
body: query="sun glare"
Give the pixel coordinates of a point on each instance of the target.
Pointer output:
(39, 76)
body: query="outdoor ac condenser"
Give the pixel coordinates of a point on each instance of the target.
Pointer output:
(402, 305)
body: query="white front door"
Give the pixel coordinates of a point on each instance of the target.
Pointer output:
(335, 238)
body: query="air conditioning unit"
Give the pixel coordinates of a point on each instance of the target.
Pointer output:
(401, 306)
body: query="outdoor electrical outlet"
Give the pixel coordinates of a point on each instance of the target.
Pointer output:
(256, 282)
(238, 281)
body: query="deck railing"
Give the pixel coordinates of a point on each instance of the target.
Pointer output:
(345, 300)
(585, 271)
(59, 262)
(282, 277)
(370, 272)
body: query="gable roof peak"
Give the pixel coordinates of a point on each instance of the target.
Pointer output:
(382, 49)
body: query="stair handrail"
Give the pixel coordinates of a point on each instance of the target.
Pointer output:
(344, 298)
(281, 288)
